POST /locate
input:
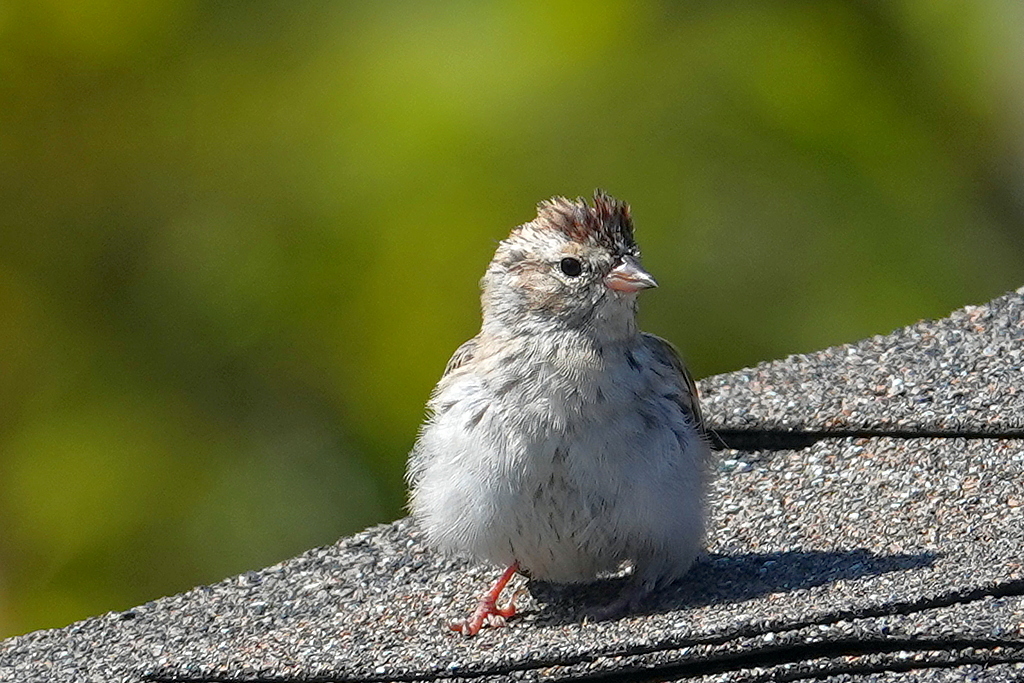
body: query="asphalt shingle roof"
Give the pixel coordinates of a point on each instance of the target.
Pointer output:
(872, 530)
(961, 374)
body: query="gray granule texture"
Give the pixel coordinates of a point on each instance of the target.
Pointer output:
(883, 558)
(964, 373)
(990, 673)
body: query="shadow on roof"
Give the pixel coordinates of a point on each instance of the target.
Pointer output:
(721, 578)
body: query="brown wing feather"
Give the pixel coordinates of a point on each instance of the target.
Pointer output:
(462, 355)
(667, 354)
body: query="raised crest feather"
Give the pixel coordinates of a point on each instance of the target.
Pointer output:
(607, 223)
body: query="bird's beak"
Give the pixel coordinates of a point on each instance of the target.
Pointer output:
(629, 276)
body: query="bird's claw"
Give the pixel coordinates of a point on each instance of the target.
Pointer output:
(487, 614)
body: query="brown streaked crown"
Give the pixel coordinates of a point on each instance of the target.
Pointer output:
(608, 223)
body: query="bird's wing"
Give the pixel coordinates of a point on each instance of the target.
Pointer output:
(462, 355)
(666, 354)
(419, 457)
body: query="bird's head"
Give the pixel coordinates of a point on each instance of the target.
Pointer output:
(573, 266)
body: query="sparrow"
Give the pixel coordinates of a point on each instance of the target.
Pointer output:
(562, 442)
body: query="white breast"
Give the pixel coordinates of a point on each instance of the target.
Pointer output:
(570, 465)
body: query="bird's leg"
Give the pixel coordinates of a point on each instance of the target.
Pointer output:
(625, 603)
(487, 610)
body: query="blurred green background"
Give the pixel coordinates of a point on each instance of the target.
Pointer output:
(239, 240)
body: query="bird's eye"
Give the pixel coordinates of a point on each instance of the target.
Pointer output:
(570, 266)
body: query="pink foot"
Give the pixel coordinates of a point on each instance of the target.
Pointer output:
(487, 610)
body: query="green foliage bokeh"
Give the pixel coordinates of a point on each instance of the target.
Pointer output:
(238, 241)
